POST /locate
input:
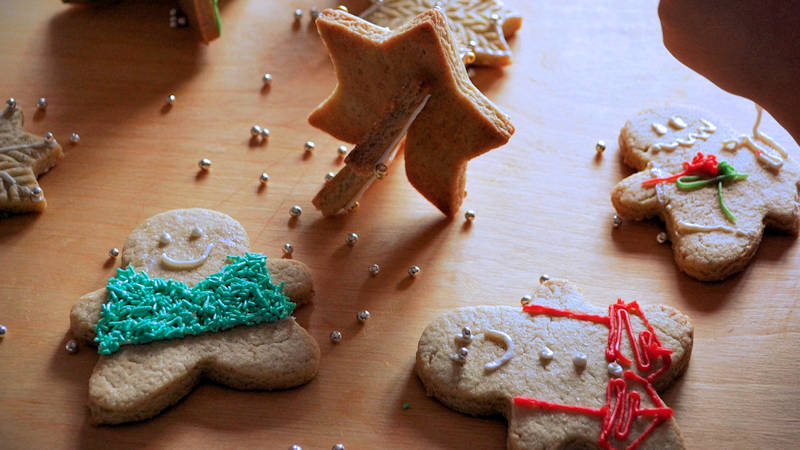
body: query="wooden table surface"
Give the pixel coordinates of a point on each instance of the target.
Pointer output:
(580, 69)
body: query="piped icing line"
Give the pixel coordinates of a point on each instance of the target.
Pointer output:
(703, 133)
(7, 178)
(39, 144)
(178, 264)
(509, 343)
(697, 228)
(623, 404)
(750, 142)
(164, 239)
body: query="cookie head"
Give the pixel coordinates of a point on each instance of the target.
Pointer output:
(184, 244)
(551, 367)
(715, 189)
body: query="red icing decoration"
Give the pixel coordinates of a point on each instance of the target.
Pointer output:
(619, 416)
(700, 165)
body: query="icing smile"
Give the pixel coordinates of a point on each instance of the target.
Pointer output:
(185, 264)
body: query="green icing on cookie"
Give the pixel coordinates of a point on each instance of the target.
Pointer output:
(141, 309)
(217, 17)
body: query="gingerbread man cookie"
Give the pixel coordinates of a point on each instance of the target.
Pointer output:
(23, 157)
(715, 189)
(565, 374)
(158, 336)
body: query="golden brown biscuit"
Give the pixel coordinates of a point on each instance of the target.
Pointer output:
(481, 26)
(374, 65)
(715, 228)
(203, 17)
(139, 380)
(23, 157)
(548, 368)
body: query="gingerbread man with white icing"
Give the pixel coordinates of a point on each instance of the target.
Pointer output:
(565, 374)
(188, 307)
(715, 189)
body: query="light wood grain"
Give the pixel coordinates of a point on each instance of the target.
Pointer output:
(580, 69)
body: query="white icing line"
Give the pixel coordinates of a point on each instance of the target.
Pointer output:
(500, 336)
(677, 123)
(7, 178)
(164, 239)
(655, 172)
(703, 133)
(697, 228)
(658, 128)
(186, 264)
(23, 146)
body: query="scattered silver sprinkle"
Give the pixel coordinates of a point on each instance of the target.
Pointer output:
(472, 44)
(337, 446)
(342, 8)
(374, 269)
(661, 237)
(362, 315)
(546, 354)
(614, 370)
(263, 178)
(309, 146)
(204, 164)
(114, 252)
(37, 191)
(264, 133)
(413, 271)
(74, 138)
(342, 150)
(11, 104)
(525, 300)
(182, 22)
(298, 14)
(461, 355)
(256, 130)
(329, 176)
(71, 346)
(3, 330)
(42, 103)
(579, 360)
(495, 17)
(314, 13)
(544, 277)
(336, 336)
(351, 239)
(600, 147)
(380, 170)
(295, 446)
(288, 249)
(171, 99)
(295, 211)
(49, 137)
(469, 215)
(616, 221)
(266, 78)
(466, 335)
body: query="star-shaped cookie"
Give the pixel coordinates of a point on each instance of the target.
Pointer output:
(481, 26)
(374, 66)
(138, 381)
(23, 157)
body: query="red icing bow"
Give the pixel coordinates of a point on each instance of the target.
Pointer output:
(700, 165)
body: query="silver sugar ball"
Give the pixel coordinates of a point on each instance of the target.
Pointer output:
(266, 78)
(336, 336)
(600, 147)
(49, 137)
(37, 191)
(472, 44)
(171, 99)
(42, 103)
(362, 315)
(3, 330)
(114, 252)
(288, 249)
(343, 8)
(263, 178)
(616, 221)
(11, 103)
(314, 13)
(546, 354)
(298, 14)
(295, 211)
(380, 170)
(256, 130)
(329, 176)
(413, 271)
(374, 269)
(309, 145)
(466, 335)
(71, 346)
(614, 370)
(342, 150)
(351, 239)
(469, 215)
(295, 446)
(525, 300)
(74, 138)
(495, 17)
(544, 277)
(661, 237)
(265, 133)
(463, 352)
(173, 11)
(337, 446)
(204, 164)
(579, 360)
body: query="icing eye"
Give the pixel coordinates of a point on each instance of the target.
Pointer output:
(165, 239)
(197, 233)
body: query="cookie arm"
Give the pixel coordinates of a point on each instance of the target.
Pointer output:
(634, 201)
(84, 315)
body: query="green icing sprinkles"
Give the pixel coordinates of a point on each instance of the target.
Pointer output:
(141, 309)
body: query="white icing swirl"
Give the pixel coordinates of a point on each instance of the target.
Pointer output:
(177, 264)
(505, 338)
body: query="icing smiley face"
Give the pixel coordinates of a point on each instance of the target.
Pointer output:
(185, 244)
(530, 376)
